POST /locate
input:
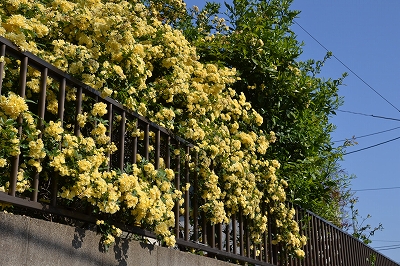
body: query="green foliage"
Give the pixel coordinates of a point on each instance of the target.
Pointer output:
(361, 230)
(294, 101)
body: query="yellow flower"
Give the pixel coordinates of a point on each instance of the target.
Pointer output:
(149, 168)
(54, 130)
(84, 165)
(109, 239)
(170, 174)
(170, 240)
(13, 105)
(106, 92)
(119, 71)
(300, 253)
(99, 109)
(3, 162)
(81, 118)
(36, 149)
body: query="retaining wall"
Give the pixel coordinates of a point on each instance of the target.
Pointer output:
(26, 241)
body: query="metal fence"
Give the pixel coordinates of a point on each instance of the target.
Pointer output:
(327, 244)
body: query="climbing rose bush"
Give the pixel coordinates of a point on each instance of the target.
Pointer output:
(130, 52)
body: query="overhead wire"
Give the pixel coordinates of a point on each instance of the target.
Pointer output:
(369, 86)
(382, 248)
(370, 189)
(340, 61)
(388, 248)
(368, 135)
(376, 116)
(394, 241)
(372, 146)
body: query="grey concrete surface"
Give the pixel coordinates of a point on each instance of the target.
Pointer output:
(26, 241)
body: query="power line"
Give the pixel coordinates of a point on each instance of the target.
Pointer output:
(388, 246)
(347, 67)
(369, 189)
(368, 135)
(376, 116)
(369, 147)
(394, 247)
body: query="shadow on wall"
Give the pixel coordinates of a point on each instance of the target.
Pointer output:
(28, 241)
(33, 242)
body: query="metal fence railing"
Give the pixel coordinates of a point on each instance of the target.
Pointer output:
(327, 244)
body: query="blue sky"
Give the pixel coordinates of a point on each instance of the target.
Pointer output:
(364, 35)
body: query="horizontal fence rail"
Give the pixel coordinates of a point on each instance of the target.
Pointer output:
(326, 244)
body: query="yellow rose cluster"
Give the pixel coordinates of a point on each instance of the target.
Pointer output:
(130, 52)
(12, 109)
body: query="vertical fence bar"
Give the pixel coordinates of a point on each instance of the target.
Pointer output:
(321, 241)
(187, 195)
(304, 231)
(343, 251)
(265, 245)
(61, 100)
(40, 126)
(146, 141)
(204, 227)
(15, 159)
(2, 55)
(270, 249)
(121, 149)
(212, 235)
(157, 149)
(339, 248)
(60, 113)
(328, 244)
(167, 158)
(335, 246)
(227, 238)
(314, 238)
(324, 242)
(234, 234)
(330, 247)
(364, 254)
(195, 201)
(241, 237)
(355, 252)
(331, 244)
(135, 146)
(219, 235)
(78, 110)
(22, 77)
(247, 238)
(177, 186)
(348, 251)
(357, 248)
(309, 241)
(110, 118)
(297, 215)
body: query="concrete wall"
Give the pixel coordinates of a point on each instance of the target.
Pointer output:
(26, 241)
